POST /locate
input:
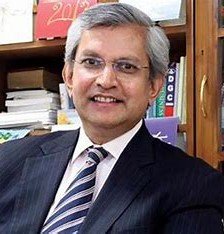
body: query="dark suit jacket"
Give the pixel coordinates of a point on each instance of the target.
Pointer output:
(154, 188)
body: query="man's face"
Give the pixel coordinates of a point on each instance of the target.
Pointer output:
(107, 98)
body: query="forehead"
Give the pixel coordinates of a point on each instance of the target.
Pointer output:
(114, 42)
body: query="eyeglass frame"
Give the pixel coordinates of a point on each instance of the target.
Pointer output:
(115, 66)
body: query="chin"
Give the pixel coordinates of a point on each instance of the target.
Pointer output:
(106, 123)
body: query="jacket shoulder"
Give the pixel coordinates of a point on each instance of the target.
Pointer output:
(190, 180)
(15, 152)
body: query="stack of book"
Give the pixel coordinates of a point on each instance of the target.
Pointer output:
(32, 100)
(30, 108)
(29, 100)
(33, 78)
(172, 98)
(27, 119)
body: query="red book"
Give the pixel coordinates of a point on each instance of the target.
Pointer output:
(55, 16)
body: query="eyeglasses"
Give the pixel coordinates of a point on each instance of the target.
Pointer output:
(93, 67)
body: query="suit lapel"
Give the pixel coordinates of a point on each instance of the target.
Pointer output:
(130, 174)
(41, 177)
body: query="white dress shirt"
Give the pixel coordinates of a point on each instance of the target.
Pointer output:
(114, 147)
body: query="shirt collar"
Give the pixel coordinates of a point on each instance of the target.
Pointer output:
(115, 147)
(83, 143)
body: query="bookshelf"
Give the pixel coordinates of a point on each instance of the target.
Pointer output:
(51, 52)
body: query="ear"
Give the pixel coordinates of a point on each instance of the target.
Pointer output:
(67, 74)
(156, 85)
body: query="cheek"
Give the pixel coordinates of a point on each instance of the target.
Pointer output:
(138, 91)
(80, 85)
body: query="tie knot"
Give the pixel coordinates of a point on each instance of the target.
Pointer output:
(96, 155)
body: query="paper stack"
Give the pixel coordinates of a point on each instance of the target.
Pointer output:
(30, 108)
(32, 100)
(28, 119)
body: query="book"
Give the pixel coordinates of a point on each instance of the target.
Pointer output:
(54, 17)
(64, 127)
(170, 89)
(183, 116)
(160, 102)
(65, 100)
(28, 124)
(32, 101)
(69, 116)
(41, 106)
(164, 128)
(27, 94)
(12, 134)
(25, 118)
(37, 78)
(16, 21)
(176, 89)
(180, 86)
(151, 111)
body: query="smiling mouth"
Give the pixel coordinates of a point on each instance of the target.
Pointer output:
(101, 99)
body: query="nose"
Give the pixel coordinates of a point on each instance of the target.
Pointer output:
(108, 78)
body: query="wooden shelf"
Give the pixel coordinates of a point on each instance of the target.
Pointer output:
(38, 132)
(41, 48)
(182, 128)
(175, 31)
(54, 48)
(221, 32)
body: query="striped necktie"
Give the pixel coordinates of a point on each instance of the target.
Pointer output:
(72, 209)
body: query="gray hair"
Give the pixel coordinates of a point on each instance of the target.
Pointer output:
(116, 14)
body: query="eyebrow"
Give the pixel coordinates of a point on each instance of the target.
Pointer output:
(124, 58)
(90, 53)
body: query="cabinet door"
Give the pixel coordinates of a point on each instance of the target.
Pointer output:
(208, 80)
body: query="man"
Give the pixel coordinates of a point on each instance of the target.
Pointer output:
(115, 63)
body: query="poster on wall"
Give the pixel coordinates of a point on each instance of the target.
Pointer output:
(16, 21)
(161, 10)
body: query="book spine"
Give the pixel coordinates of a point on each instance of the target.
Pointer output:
(66, 101)
(176, 89)
(170, 90)
(184, 98)
(31, 101)
(44, 106)
(160, 102)
(63, 96)
(151, 112)
(180, 87)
